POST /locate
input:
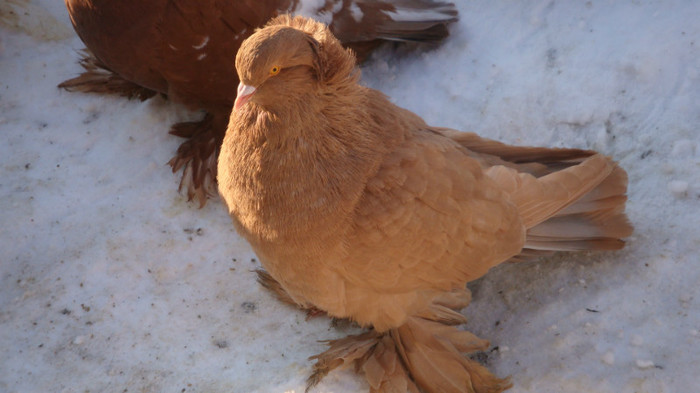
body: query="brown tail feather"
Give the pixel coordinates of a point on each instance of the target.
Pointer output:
(542, 198)
(612, 187)
(565, 244)
(569, 199)
(416, 21)
(592, 224)
(594, 221)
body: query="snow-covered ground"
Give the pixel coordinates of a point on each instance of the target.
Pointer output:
(112, 282)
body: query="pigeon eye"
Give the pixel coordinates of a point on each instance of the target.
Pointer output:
(275, 70)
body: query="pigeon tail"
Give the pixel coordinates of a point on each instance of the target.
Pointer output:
(418, 21)
(362, 24)
(593, 221)
(577, 208)
(569, 199)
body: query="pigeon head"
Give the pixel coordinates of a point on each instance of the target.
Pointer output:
(287, 56)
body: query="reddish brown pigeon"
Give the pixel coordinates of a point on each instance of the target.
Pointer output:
(358, 208)
(186, 50)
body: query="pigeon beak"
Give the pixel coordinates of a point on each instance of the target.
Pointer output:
(245, 92)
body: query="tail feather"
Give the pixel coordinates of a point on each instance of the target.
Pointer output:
(569, 199)
(594, 224)
(397, 20)
(411, 20)
(610, 204)
(594, 221)
(540, 199)
(566, 244)
(609, 194)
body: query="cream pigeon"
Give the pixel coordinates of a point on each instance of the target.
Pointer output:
(185, 49)
(358, 208)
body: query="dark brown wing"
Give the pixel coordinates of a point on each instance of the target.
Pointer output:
(122, 36)
(198, 45)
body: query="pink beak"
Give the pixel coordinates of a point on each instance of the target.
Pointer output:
(245, 92)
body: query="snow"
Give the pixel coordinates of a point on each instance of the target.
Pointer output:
(112, 282)
(356, 12)
(608, 358)
(678, 188)
(318, 9)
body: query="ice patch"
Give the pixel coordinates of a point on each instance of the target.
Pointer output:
(678, 188)
(683, 148)
(637, 340)
(644, 364)
(79, 340)
(608, 358)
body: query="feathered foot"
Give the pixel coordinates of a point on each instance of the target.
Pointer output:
(426, 354)
(434, 355)
(372, 354)
(419, 356)
(98, 78)
(197, 156)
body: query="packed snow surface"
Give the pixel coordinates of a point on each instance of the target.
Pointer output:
(112, 282)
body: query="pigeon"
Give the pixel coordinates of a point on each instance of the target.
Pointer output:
(185, 50)
(358, 208)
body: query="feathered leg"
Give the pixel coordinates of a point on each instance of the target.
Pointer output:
(98, 78)
(425, 354)
(198, 154)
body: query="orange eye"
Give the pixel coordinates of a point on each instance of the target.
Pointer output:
(275, 70)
